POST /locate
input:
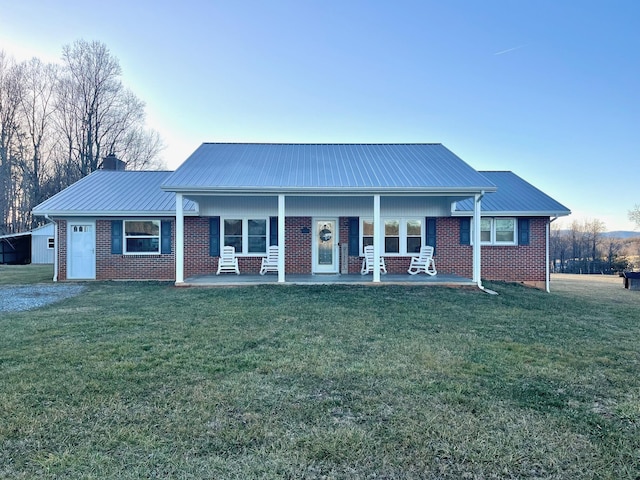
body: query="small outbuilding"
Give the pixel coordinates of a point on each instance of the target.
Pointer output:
(632, 280)
(34, 246)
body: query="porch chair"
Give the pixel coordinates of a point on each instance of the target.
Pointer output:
(270, 262)
(228, 261)
(423, 263)
(367, 261)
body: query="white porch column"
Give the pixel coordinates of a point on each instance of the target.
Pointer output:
(547, 274)
(377, 238)
(179, 239)
(281, 217)
(476, 240)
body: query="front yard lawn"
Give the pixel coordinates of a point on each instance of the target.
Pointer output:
(145, 380)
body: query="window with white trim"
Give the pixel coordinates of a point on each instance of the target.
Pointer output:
(414, 235)
(367, 234)
(51, 243)
(402, 236)
(497, 231)
(141, 236)
(247, 235)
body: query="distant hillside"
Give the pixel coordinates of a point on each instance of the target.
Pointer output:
(621, 234)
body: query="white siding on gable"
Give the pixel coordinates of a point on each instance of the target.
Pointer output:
(313, 206)
(40, 251)
(239, 206)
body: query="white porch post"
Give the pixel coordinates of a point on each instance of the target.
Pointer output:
(547, 275)
(281, 250)
(377, 238)
(476, 240)
(179, 239)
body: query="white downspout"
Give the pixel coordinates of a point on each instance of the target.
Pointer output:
(547, 272)
(55, 245)
(477, 276)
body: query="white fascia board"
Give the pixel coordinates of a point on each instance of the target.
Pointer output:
(346, 191)
(116, 213)
(489, 213)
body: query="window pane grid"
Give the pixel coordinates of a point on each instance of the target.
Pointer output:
(495, 231)
(414, 236)
(246, 235)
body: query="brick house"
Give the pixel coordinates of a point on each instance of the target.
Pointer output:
(320, 203)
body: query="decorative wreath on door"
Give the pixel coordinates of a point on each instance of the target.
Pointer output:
(325, 234)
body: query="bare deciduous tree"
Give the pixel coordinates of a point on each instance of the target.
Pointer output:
(10, 95)
(57, 123)
(38, 109)
(634, 215)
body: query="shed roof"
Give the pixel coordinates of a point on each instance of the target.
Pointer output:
(122, 193)
(43, 230)
(251, 167)
(514, 196)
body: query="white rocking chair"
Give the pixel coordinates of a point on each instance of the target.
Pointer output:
(423, 263)
(367, 261)
(228, 261)
(270, 262)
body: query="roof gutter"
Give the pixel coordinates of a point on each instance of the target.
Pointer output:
(113, 213)
(344, 191)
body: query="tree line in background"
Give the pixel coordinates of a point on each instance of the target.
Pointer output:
(583, 248)
(57, 122)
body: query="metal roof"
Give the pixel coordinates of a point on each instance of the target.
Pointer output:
(123, 193)
(251, 167)
(514, 196)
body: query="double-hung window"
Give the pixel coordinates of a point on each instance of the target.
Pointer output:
(391, 236)
(497, 231)
(401, 236)
(142, 236)
(414, 235)
(246, 235)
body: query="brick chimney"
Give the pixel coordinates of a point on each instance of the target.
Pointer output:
(111, 162)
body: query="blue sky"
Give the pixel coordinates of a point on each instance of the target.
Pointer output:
(547, 89)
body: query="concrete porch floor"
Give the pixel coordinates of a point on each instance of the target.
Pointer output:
(231, 279)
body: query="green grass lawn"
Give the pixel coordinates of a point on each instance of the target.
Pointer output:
(25, 274)
(145, 380)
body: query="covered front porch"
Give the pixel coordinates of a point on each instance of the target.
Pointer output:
(327, 279)
(319, 238)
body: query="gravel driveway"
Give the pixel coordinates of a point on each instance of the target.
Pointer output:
(29, 297)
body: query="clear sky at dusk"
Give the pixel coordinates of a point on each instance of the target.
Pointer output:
(548, 89)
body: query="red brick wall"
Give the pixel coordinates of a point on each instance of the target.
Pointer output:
(62, 250)
(131, 267)
(507, 263)
(196, 248)
(521, 263)
(298, 245)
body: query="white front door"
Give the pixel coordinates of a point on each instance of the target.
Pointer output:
(325, 245)
(82, 251)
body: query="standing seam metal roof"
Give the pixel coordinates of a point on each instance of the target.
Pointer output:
(106, 191)
(514, 195)
(245, 166)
